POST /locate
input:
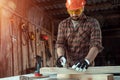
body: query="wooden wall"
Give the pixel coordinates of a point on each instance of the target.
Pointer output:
(19, 20)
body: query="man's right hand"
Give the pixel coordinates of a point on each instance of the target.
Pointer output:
(81, 65)
(61, 61)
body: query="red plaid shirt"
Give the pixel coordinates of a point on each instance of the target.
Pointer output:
(78, 41)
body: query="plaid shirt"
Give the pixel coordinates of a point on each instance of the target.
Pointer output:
(78, 41)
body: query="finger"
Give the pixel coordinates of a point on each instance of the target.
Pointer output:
(74, 66)
(63, 64)
(84, 69)
(87, 67)
(77, 69)
(80, 69)
(83, 66)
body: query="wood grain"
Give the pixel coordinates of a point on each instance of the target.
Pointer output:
(86, 76)
(93, 70)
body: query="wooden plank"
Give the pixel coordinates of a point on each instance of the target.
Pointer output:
(93, 70)
(86, 76)
(32, 77)
(72, 77)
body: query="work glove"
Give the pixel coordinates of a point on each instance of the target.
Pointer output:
(81, 65)
(61, 61)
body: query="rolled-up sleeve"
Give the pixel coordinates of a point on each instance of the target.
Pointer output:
(60, 37)
(96, 36)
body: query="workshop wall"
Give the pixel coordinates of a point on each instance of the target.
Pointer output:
(21, 26)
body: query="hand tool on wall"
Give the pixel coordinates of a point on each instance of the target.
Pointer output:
(48, 55)
(31, 38)
(47, 50)
(12, 42)
(38, 65)
(27, 35)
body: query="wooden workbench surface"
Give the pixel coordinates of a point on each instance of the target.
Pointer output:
(52, 77)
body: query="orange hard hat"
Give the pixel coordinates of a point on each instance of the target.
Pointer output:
(75, 4)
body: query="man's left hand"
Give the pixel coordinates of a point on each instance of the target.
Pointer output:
(81, 65)
(61, 61)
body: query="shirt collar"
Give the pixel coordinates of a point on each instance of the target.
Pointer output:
(82, 17)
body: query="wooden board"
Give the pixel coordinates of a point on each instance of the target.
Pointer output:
(39, 77)
(86, 76)
(32, 77)
(93, 70)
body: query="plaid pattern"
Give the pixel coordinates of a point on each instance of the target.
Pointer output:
(78, 41)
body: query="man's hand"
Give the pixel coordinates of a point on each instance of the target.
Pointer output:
(81, 65)
(61, 61)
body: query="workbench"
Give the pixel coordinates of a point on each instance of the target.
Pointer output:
(53, 73)
(53, 76)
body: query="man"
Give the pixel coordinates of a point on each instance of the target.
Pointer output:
(79, 38)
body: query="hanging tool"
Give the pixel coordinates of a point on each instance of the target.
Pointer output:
(31, 38)
(28, 36)
(12, 41)
(20, 37)
(38, 65)
(47, 50)
(44, 37)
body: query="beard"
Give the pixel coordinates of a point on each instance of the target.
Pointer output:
(75, 18)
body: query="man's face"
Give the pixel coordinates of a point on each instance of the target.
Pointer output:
(75, 14)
